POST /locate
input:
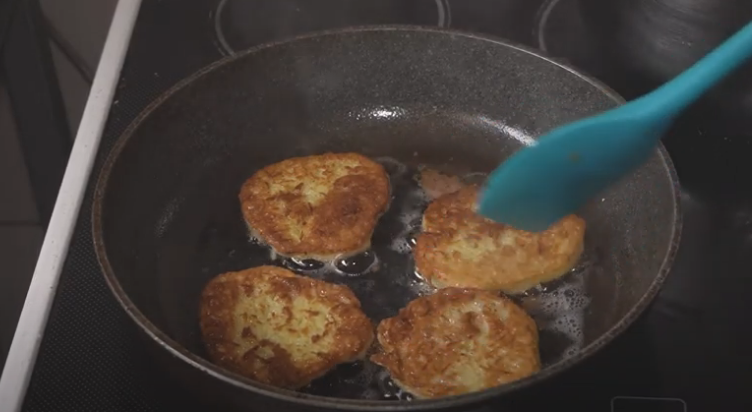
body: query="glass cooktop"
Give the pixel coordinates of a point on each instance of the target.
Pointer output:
(687, 353)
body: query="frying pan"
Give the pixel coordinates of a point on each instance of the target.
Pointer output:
(166, 218)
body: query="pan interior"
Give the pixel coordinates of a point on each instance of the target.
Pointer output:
(171, 218)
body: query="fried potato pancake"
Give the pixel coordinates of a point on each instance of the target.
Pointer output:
(460, 248)
(436, 184)
(276, 327)
(458, 341)
(317, 206)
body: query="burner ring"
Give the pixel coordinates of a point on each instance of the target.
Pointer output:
(541, 21)
(562, 32)
(294, 17)
(223, 46)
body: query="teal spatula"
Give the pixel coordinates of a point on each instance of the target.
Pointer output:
(542, 183)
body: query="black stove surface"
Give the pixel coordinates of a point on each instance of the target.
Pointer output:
(688, 352)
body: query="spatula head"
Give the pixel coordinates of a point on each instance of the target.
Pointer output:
(541, 184)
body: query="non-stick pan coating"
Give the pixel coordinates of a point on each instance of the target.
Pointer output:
(167, 217)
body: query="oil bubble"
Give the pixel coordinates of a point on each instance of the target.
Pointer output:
(357, 264)
(303, 264)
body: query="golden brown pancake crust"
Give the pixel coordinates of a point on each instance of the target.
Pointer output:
(458, 341)
(279, 328)
(317, 206)
(463, 249)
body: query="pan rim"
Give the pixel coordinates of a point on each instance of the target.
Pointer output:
(468, 400)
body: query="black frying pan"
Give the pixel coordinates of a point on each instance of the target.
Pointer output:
(167, 218)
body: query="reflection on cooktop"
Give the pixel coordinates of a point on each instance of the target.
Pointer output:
(649, 41)
(709, 144)
(240, 24)
(562, 32)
